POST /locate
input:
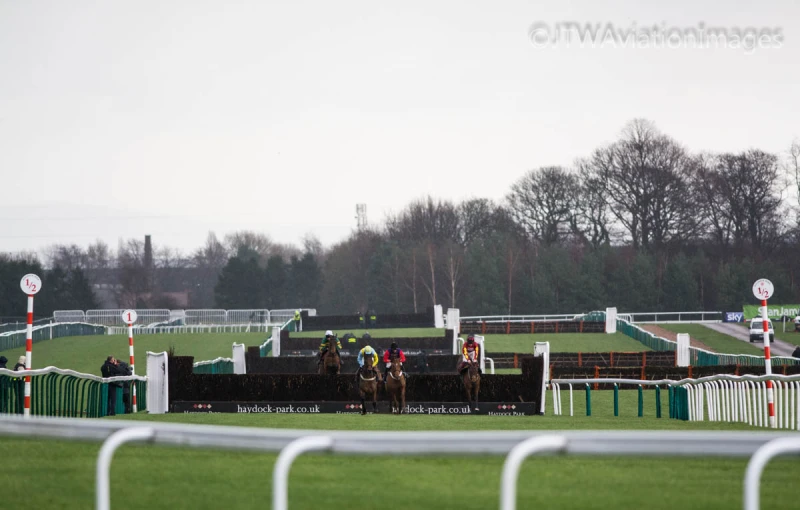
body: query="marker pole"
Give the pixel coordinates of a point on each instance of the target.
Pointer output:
(28, 347)
(768, 365)
(133, 369)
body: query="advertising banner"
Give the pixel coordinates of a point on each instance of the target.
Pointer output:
(484, 408)
(733, 317)
(773, 311)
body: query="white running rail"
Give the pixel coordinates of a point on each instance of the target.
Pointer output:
(291, 443)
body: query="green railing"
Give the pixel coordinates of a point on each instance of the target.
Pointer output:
(66, 395)
(697, 357)
(216, 366)
(16, 339)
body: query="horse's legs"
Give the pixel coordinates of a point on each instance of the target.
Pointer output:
(375, 400)
(402, 400)
(363, 407)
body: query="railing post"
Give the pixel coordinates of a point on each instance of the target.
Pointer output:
(280, 474)
(103, 469)
(511, 467)
(759, 460)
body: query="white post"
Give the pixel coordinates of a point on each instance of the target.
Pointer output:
(454, 320)
(239, 366)
(611, 320)
(276, 341)
(157, 383)
(683, 350)
(542, 349)
(438, 319)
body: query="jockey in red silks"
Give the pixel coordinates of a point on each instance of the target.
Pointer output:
(471, 351)
(396, 352)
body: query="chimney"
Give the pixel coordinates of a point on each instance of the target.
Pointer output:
(148, 253)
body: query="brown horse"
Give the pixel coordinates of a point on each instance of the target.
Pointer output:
(472, 382)
(396, 386)
(331, 363)
(368, 379)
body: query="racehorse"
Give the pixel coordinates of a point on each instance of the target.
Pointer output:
(330, 363)
(396, 386)
(368, 384)
(472, 382)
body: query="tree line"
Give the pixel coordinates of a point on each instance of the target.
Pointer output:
(641, 223)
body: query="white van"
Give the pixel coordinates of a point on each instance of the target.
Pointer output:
(757, 329)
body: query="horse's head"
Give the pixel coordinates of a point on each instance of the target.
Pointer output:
(396, 366)
(474, 374)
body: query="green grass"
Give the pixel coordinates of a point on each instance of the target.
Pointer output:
(564, 342)
(377, 333)
(61, 474)
(718, 342)
(86, 353)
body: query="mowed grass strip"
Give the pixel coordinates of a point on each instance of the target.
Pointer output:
(87, 353)
(718, 342)
(61, 474)
(375, 333)
(564, 342)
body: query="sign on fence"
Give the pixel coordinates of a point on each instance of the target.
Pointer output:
(438, 408)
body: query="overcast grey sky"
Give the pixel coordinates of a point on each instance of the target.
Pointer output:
(120, 119)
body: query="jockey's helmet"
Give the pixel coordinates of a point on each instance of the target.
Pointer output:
(394, 345)
(328, 333)
(470, 339)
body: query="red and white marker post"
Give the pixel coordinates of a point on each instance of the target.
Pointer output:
(763, 290)
(30, 285)
(130, 316)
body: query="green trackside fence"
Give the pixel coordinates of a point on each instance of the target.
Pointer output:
(64, 393)
(678, 401)
(16, 339)
(215, 366)
(697, 357)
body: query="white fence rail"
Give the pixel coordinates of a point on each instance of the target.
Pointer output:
(516, 445)
(729, 398)
(193, 317)
(637, 317)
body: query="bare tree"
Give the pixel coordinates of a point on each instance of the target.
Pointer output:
(644, 178)
(66, 257)
(749, 184)
(430, 286)
(411, 280)
(261, 244)
(544, 203)
(425, 220)
(454, 264)
(794, 162)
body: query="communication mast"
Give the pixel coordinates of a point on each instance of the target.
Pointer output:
(361, 216)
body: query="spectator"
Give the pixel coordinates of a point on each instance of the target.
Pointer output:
(110, 369)
(796, 353)
(373, 318)
(125, 369)
(20, 384)
(20, 364)
(3, 361)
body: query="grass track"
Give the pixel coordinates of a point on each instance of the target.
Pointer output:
(61, 475)
(564, 342)
(718, 342)
(86, 353)
(166, 478)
